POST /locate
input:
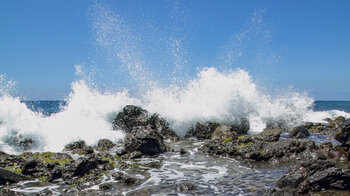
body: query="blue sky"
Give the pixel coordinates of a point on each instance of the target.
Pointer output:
(305, 44)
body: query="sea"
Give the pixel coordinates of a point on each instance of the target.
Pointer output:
(48, 108)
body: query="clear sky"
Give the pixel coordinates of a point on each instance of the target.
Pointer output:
(301, 43)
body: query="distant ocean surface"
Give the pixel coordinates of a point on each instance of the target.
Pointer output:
(45, 107)
(332, 105)
(48, 108)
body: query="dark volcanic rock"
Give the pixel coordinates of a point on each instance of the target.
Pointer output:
(7, 176)
(223, 132)
(202, 130)
(7, 160)
(79, 147)
(146, 140)
(162, 126)
(104, 145)
(328, 129)
(314, 175)
(47, 165)
(241, 127)
(337, 122)
(206, 130)
(186, 186)
(265, 147)
(299, 132)
(106, 186)
(132, 116)
(132, 155)
(75, 145)
(82, 166)
(269, 135)
(343, 134)
(7, 192)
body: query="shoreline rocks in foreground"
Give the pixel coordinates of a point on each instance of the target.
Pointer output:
(313, 175)
(80, 164)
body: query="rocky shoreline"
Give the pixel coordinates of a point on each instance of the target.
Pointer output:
(108, 166)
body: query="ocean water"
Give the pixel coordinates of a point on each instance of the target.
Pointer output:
(332, 105)
(51, 107)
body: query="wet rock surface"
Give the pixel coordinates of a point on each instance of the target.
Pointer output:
(185, 187)
(146, 140)
(203, 131)
(268, 147)
(299, 132)
(79, 147)
(328, 129)
(7, 176)
(104, 145)
(144, 164)
(343, 133)
(269, 135)
(313, 176)
(132, 117)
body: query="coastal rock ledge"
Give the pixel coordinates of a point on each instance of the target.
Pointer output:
(312, 176)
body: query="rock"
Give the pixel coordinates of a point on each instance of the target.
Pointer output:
(329, 152)
(7, 176)
(241, 127)
(104, 145)
(313, 175)
(308, 125)
(83, 151)
(338, 121)
(82, 166)
(75, 145)
(129, 181)
(299, 132)
(269, 135)
(7, 160)
(132, 155)
(45, 165)
(222, 132)
(343, 134)
(329, 129)
(254, 149)
(182, 151)
(126, 180)
(120, 151)
(7, 192)
(79, 147)
(154, 164)
(106, 186)
(202, 130)
(132, 116)
(186, 186)
(146, 140)
(162, 126)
